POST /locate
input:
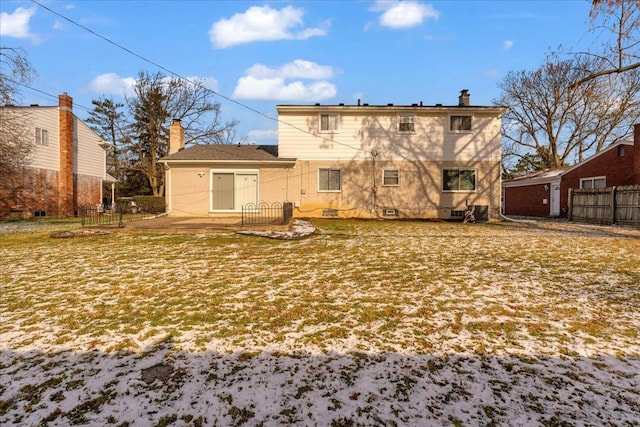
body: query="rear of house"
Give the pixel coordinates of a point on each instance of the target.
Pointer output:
(356, 161)
(410, 161)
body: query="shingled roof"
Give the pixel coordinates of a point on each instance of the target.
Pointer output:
(227, 152)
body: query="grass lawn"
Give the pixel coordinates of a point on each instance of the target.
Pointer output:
(365, 323)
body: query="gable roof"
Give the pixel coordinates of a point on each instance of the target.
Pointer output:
(544, 176)
(549, 175)
(226, 153)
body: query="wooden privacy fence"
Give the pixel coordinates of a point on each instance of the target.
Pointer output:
(615, 205)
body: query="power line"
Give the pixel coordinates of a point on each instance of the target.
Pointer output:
(173, 73)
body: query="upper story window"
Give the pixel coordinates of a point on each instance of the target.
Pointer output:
(42, 136)
(328, 122)
(329, 179)
(459, 180)
(595, 182)
(406, 124)
(460, 123)
(621, 151)
(390, 177)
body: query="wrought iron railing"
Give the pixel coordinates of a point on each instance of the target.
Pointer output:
(265, 213)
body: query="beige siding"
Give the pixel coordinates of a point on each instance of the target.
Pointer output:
(359, 133)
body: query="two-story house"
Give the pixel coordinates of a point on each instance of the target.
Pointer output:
(66, 169)
(364, 161)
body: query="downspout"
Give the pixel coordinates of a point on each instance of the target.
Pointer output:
(374, 188)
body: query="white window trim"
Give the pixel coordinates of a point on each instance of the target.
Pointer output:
(459, 131)
(235, 173)
(42, 136)
(336, 130)
(413, 121)
(475, 173)
(593, 178)
(329, 191)
(390, 185)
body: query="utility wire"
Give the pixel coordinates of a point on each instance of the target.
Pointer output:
(173, 73)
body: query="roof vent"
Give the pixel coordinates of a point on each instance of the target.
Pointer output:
(438, 105)
(341, 104)
(317, 103)
(390, 105)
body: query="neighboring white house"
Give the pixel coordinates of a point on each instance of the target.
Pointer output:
(67, 166)
(409, 161)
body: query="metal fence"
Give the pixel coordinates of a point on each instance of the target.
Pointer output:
(615, 205)
(264, 213)
(117, 214)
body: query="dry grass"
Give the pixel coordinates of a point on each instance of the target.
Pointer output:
(412, 289)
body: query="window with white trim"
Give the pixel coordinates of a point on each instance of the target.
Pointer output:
(458, 180)
(329, 179)
(406, 124)
(460, 123)
(594, 182)
(329, 122)
(42, 136)
(391, 177)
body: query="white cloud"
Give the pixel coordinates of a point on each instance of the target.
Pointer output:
(299, 68)
(276, 89)
(507, 44)
(264, 83)
(16, 24)
(262, 24)
(112, 84)
(58, 25)
(404, 14)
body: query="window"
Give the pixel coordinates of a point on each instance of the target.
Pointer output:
(42, 136)
(390, 177)
(621, 151)
(406, 124)
(329, 180)
(596, 182)
(459, 180)
(460, 123)
(328, 122)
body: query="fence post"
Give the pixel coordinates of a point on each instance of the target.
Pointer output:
(570, 211)
(613, 205)
(287, 211)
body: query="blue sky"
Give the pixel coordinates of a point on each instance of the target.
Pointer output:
(260, 54)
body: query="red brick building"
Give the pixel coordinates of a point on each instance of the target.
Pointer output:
(546, 193)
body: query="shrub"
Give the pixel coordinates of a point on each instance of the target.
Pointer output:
(150, 204)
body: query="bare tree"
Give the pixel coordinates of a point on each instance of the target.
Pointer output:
(16, 142)
(556, 123)
(157, 100)
(618, 22)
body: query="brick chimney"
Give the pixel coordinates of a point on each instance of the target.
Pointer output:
(636, 154)
(65, 180)
(176, 137)
(463, 99)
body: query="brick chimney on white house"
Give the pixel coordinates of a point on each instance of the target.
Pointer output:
(176, 137)
(463, 99)
(66, 195)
